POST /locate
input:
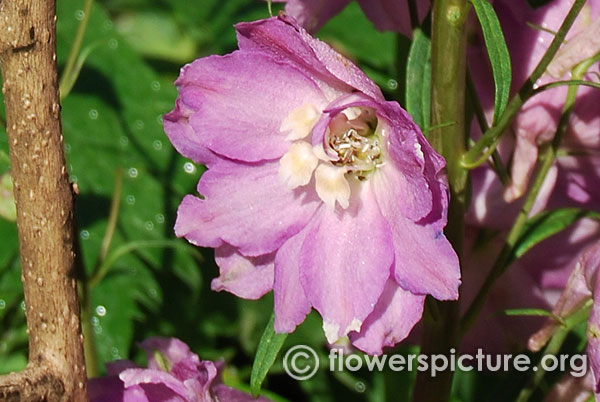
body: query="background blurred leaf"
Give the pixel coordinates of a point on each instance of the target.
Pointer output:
(546, 224)
(418, 79)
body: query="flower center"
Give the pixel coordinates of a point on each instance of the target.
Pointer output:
(352, 149)
(355, 143)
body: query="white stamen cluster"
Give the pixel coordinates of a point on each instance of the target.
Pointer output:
(352, 147)
(359, 154)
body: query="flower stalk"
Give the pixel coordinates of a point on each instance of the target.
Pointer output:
(448, 81)
(44, 199)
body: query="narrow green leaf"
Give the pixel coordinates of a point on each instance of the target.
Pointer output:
(497, 52)
(269, 346)
(531, 312)
(418, 81)
(546, 224)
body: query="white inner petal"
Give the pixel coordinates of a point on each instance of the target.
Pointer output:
(332, 186)
(355, 325)
(331, 330)
(297, 165)
(300, 122)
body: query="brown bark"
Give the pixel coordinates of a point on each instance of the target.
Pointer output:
(56, 368)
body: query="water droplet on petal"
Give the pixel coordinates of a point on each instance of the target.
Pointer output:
(189, 167)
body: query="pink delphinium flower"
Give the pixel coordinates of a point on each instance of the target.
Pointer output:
(537, 121)
(572, 389)
(387, 15)
(582, 287)
(317, 188)
(174, 373)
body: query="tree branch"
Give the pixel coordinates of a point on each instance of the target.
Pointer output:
(56, 368)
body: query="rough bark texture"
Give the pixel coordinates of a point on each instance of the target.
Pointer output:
(56, 368)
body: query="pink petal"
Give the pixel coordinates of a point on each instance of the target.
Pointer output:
(182, 135)
(284, 40)
(291, 304)
(245, 277)
(246, 206)
(132, 377)
(313, 14)
(583, 46)
(345, 262)
(393, 15)
(228, 394)
(425, 261)
(394, 316)
(228, 102)
(172, 349)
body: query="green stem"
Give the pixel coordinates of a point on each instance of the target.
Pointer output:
(448, 84)
(113, 217)
(89, 340)
(89, 345)
(490, 139)
(547, 156)
(127, 248)
(496, 163)
(553, 348)
(70, 67)
(569, 82)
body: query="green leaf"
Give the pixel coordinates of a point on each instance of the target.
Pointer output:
(530, 312)
(8, 210)
(546, 224)
(418, 82)
(268, 348)
(497, 52)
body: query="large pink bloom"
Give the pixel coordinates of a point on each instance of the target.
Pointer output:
(317, 188)
(387, 15)
(174, 373)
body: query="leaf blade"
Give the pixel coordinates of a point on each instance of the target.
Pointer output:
(268, 348)
(546, 224)
(497, 53)
(418, 83)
